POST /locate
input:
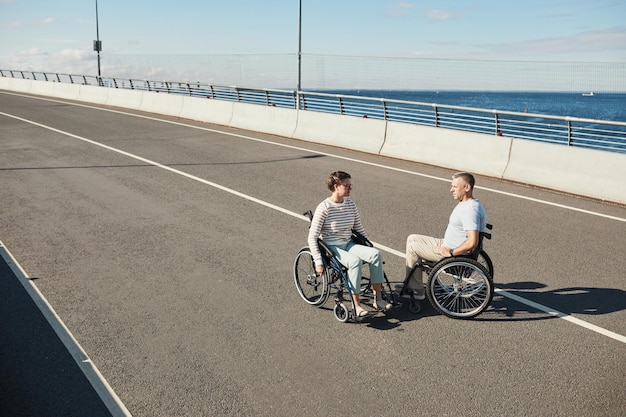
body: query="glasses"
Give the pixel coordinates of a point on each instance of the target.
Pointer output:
(348, 186)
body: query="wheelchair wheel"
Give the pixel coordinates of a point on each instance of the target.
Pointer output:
(341, 312)
(460, 288)
(415, 306)
(485, 261)
(312, 288)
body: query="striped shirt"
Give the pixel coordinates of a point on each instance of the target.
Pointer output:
(333, 222)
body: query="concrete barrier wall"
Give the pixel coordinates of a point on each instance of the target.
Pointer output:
(94, 94)
(273, 120)
(586, 172)
(207, 110)
(61, 90)
(15, 84)
(463, 151)
(44, 88)
(366, 135)
(590, 173)
(161, 103)
(128, 99)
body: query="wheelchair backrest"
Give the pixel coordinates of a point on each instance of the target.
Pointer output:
(482, 235)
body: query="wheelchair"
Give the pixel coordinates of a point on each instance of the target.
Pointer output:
(459, 287)
(316, 289)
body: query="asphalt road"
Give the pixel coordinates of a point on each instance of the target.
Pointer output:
(166, 246)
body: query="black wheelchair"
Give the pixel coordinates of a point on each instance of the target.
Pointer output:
(460, 287)
(316, 289)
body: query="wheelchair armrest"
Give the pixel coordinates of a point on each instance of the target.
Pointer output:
(309, 214)
(327, 253)
(359, 239)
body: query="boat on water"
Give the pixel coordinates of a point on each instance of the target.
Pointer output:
(589, 94)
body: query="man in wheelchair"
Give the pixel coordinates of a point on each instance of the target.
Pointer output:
(462, 235)
(333, 221)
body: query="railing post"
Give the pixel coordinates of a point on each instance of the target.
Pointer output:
(148, 85)
(341, 109)
(436, 115)
(497, 123)
(58, 78)
(569, 132)
(385, 114)
(267, 98)
(71, 79)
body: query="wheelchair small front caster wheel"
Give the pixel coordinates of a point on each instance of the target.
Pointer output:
(341, 312)
(415, 306)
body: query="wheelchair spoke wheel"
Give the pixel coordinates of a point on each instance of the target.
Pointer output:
(460, 289)
(312, 288)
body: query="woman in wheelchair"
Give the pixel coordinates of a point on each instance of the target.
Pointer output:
(333, 221)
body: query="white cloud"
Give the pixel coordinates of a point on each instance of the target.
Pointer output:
(400, 9)
(48, 20)
(31, 52)
(67, 61)
(440, 14)
(593, 41)
(11, 25)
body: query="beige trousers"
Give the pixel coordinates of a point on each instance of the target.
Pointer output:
(420, 247)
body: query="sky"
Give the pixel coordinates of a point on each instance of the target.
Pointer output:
(257, 41)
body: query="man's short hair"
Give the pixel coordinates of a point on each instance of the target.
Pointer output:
(467, 177)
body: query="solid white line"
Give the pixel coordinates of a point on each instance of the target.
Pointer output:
(564, 316)
(90, 370)
(299, 216)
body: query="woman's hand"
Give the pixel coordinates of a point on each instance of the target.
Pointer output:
(319, 269)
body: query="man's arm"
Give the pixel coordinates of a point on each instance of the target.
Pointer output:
(468, 245)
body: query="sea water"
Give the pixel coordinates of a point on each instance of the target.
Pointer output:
(599, 106)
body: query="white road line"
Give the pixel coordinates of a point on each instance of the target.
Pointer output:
(564, 316)
(90, 370)
(299, 216)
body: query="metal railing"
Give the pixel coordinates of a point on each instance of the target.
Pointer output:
(570, 131)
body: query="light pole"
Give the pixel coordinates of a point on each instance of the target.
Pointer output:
(299, 52)
(97, 45)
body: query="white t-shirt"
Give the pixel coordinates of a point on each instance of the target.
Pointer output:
(468, 215)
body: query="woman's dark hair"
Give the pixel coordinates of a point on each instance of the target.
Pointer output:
(336, 178)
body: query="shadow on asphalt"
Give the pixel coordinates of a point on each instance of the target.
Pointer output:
(38, 376)
(571, 300)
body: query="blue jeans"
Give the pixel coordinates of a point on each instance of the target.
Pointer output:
(352, 257)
